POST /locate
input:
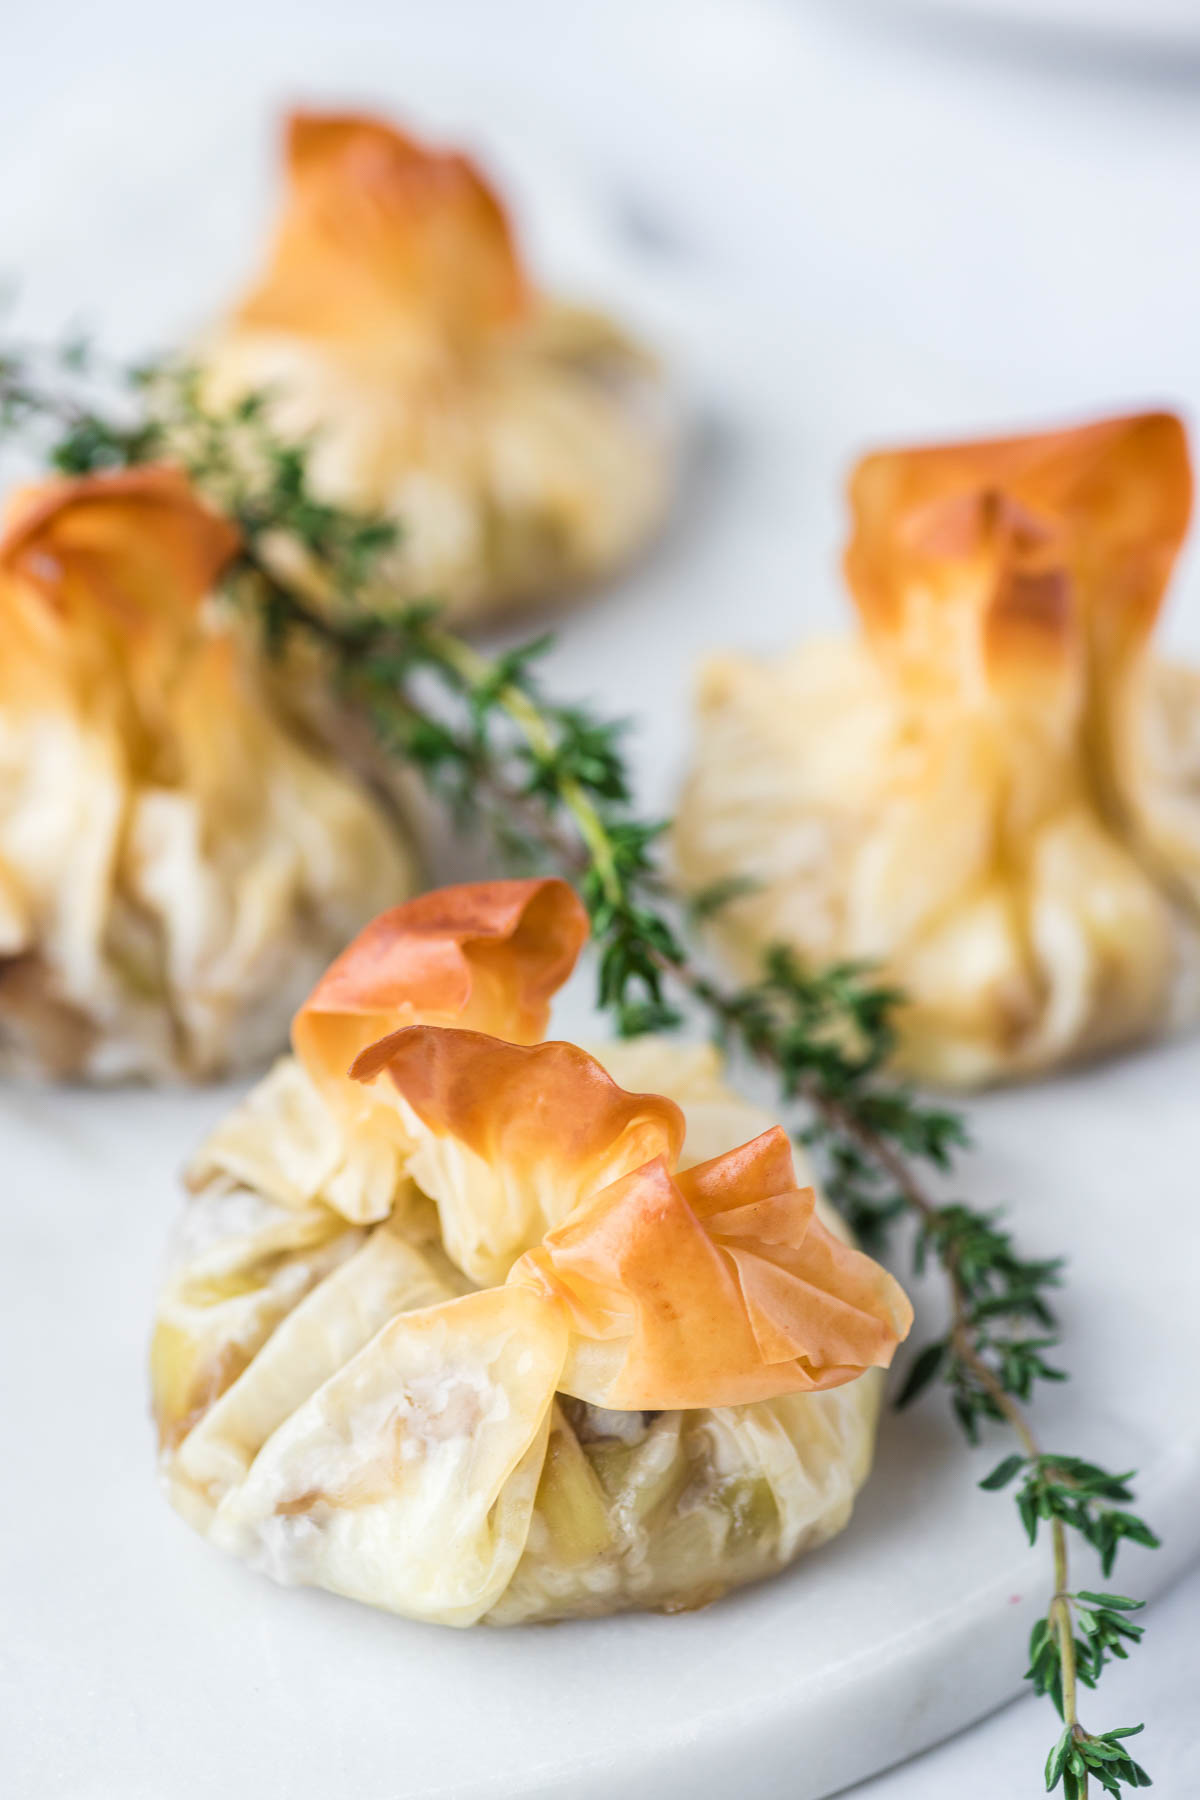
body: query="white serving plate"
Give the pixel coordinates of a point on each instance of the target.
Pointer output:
(1147, 25)
(138, 1664)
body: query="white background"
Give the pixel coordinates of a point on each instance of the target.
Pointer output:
(937, 227)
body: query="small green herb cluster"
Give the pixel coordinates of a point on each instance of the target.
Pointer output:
(75, 414)
(1074, 1758)
(1076, 1492)
(1005, 1318)
(551, 783)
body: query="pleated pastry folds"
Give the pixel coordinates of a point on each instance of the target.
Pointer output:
(991, 791)
(382, 1404)
(710, 1287)
(160, 914)
(522, 446)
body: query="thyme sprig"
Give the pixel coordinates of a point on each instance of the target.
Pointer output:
(74, 410)
(551, 783)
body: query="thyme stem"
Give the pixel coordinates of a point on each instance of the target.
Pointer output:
(477, 672)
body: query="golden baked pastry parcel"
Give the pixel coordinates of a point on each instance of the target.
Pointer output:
(993, 787)
(462, 1328)
(177, 861)
(523, 446)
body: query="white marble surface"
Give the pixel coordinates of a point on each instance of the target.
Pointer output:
(848, 230)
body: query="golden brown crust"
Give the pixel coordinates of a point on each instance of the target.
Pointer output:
(101, 582)
(378, 227)
(488, 955)
(709, 1288)
(545, 1113)
(720, 1286)
(107, 550)
(1055, 539)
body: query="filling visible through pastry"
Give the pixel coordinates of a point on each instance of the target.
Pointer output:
(993, 789)
(523, 446)
(460, 1327)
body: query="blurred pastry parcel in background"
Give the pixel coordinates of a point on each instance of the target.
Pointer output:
(524, 446)
(177, 861)
(993, 789)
